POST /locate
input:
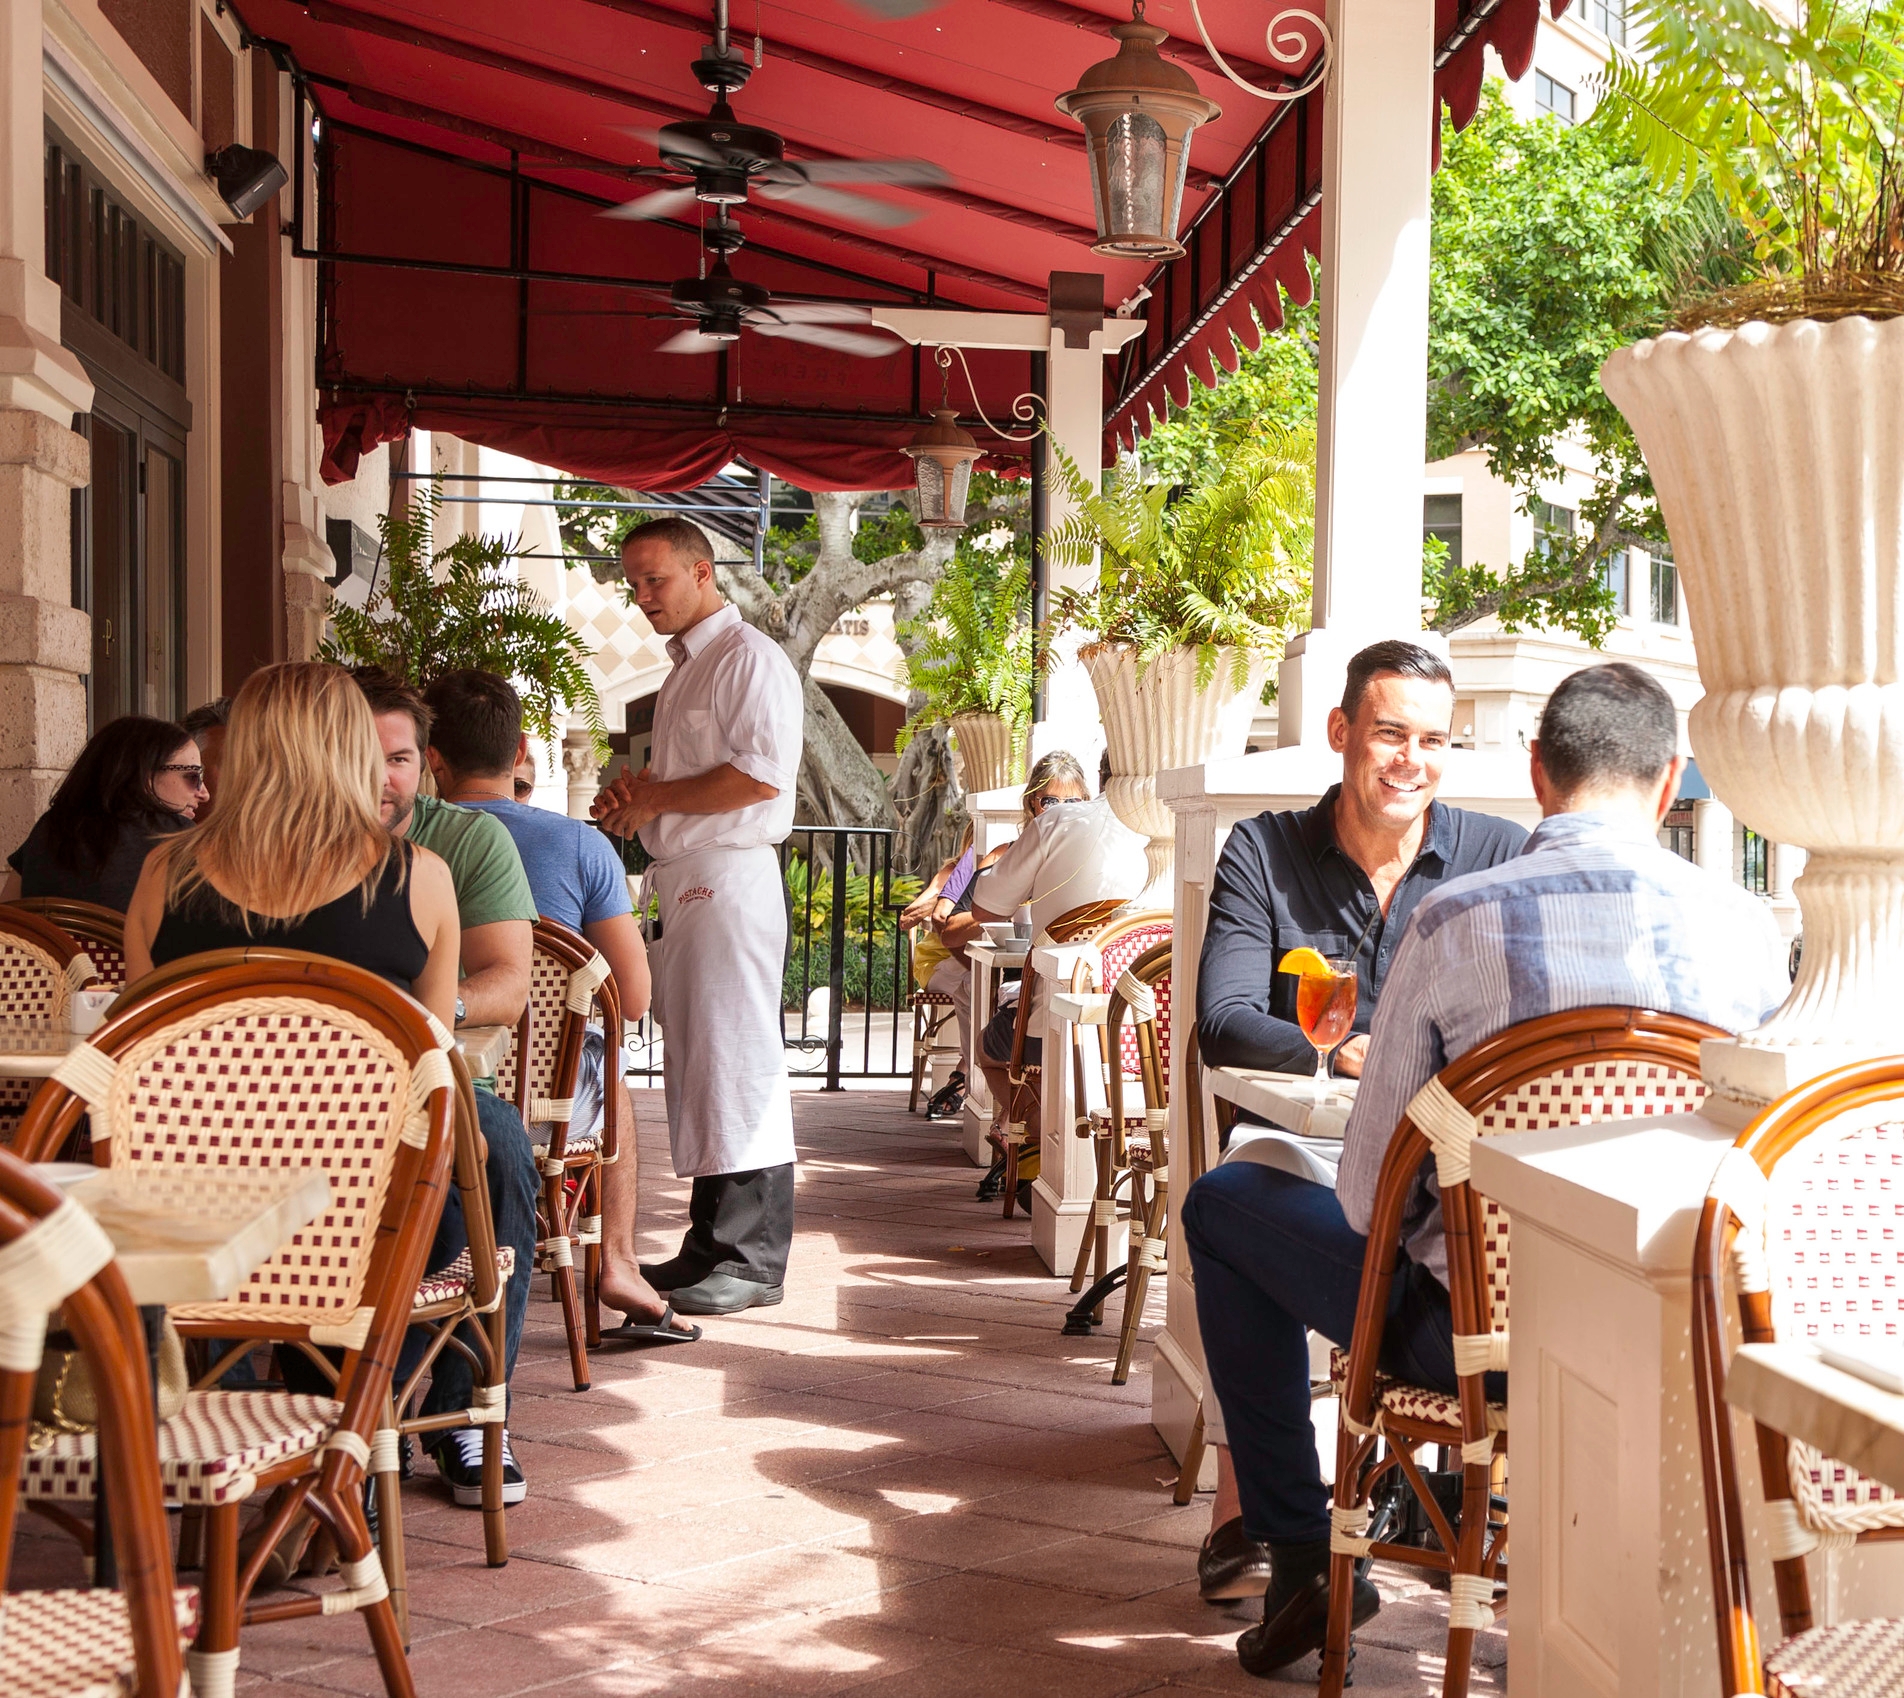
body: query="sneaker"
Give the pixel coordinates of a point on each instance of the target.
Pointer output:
(458, 1455)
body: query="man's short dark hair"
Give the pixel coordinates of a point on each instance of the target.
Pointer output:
(686, 538)
(387, 693)
(1392, 659)
(210, 717)
(476, 722)
(1607, 727)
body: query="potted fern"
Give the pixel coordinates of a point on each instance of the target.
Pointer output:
(971, 658)
(441, 610)
(1772, 418)
(1193, 601)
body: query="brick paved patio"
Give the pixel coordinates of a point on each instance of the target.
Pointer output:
(903, 1481)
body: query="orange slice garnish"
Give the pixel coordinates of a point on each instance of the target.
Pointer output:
(1303, 960)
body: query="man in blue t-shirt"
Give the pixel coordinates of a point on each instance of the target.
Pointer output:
(476, 740)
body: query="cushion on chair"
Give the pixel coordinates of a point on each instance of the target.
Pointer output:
(1414, 1403)
(74, 1644)
(1856, 1659)
(209, 1453)
(452, 1279)
(930, 999)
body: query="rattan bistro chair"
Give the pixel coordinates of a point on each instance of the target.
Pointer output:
(100, 932)
(58, 1644)
(1023, 1081)
(1563, 1069)
(40, 968)
(264, 1067)
(1802, 1221)
(568, 981)
(931, 1011)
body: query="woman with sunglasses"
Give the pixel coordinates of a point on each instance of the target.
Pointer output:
(136, 781)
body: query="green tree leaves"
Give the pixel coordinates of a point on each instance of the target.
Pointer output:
(439, 611)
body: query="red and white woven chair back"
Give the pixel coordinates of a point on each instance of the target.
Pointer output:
(36, 981)
(1572, 1096)
(1116, 954)
(564, 972)
(1834, 1253)
(270, 1082)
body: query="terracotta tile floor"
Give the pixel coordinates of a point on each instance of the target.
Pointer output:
(903, 1481)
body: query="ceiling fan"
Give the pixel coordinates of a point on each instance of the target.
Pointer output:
(725, 159)
(721, 304)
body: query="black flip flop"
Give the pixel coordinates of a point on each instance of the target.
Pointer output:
(662, 1331)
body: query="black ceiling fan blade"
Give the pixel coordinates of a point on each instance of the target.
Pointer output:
(861, 209)
(894, 10)
(897, 171)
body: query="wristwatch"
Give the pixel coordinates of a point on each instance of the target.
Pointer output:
(462, 1013)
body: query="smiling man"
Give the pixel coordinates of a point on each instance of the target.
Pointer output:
(1342, 878)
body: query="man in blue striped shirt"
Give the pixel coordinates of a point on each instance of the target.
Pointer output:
(1592, 913)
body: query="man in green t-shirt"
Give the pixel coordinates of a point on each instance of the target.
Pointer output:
(498, 914)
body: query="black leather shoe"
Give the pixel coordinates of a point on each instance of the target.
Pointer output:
(1296, 1610)
(1232, 1565)
(724, 1294)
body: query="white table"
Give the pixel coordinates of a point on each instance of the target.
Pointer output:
(1062, 1196)
(1288, 1100)
(181, 1235)
(32, 1052)
(1790, 1389)
(986, 961)
(484, 1048)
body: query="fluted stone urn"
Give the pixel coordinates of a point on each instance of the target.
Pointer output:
(1162, 720)
(1778, 454)
(987, 759)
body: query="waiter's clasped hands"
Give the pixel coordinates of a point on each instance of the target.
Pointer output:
(629, 802)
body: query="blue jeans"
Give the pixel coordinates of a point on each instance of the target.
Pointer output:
(514, 1188)
(1274, 1256)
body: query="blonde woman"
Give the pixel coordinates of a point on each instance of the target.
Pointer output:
(295, 854)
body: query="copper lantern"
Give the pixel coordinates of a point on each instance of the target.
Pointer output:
(942, 454)
(1138, 112)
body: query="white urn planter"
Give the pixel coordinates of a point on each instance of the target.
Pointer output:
(1160, 721)
(1778, 454)
(987, 760)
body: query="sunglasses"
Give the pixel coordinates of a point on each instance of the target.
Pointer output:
(194, 775)
(524, 790)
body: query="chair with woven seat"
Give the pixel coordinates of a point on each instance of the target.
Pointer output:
(100, 932)
(1106, 1059)
(1808, 1203)
(1564, 1069)
(569, 979)
(40, 968)
(930, 1011)
(462, 1307)
(58, 1644)
(1024, 1081)
(264, 1066)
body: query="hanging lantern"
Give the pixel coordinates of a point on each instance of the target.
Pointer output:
(942, 454)
(1138, 112)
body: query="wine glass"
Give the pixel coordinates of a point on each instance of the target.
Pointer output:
(1325, 1010)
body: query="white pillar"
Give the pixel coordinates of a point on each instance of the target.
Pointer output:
(1712, 838)
(45, 643)
(584, 770)
(1377, 134)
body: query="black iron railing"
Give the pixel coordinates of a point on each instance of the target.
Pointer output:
(843, 939)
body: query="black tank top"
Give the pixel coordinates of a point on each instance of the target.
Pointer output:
(383, 941)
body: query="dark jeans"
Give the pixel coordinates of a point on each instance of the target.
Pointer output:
(1273, 1256)
(996, 1040)
(514, 1187)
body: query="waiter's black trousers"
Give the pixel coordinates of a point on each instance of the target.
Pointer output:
(740, 1224)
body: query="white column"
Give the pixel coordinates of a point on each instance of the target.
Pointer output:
(1074, 400)
(45, 643)
(1712, 838)
(1377, 134)
(584, 769)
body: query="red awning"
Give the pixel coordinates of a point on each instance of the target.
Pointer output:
(468, 282)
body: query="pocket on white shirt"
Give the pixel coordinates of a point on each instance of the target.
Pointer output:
(698, 744)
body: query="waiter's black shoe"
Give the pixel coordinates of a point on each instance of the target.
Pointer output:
(724, 1294)
(1296, 1609)
(1232, 1565)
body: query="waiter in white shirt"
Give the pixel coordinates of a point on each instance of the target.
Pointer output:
(715, 799)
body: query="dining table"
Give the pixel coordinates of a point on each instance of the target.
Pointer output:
(1793, 1390)
(184, 1235)
(32, 1051)
(484, 1048)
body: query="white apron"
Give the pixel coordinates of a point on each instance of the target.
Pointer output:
(717, 974)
